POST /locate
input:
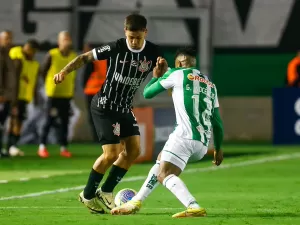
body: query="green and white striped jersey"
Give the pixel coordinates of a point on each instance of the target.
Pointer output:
(195, 99)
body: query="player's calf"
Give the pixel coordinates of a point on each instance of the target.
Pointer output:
(147, 188)
(131, 150)
(168, 176)
(15, 127)
(110, 155)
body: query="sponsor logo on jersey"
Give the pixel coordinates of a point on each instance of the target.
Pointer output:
(104, 48)
(193, 77)
(116, 129)
(144, 65)
(134, 63)
(132, 81)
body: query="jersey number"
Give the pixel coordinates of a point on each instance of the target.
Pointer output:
(206, 114)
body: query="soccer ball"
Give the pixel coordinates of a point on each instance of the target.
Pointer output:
(124, 196)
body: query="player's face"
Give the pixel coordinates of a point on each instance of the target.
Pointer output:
(181, 61)
(29, 51)
(64, 41)
(136, 38)
(6, 39)
(177, 63)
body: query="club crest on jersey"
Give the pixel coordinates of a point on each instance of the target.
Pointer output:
(116, 129)
(200, 79)
(144, 65)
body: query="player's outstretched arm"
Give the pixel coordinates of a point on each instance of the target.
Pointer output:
(75, 64)
(153, 88)
(218, 131)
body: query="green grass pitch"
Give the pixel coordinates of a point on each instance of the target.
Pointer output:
(256, 184)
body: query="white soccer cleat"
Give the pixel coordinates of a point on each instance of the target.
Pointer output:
(93, 204)
(106, 200)
(14, 151)
(130, 207)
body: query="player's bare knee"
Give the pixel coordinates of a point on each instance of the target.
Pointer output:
(163, 173)
(130, 155)
(161, 176)
(111, 156)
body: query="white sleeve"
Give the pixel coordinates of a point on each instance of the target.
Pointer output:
(168, 80)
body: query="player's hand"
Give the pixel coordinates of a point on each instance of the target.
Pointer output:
(160, 68)
(59, 77)
(162, 64)
(218, 157)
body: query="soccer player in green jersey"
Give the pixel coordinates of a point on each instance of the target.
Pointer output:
(197, 110)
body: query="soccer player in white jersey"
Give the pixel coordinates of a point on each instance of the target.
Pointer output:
(197, 110)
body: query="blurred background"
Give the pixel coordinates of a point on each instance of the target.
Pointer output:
(245, 46)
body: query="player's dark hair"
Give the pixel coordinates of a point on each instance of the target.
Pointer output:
(187, 51)
(135, 22)
(33, 43)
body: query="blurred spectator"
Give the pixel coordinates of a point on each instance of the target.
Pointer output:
(293, 72)
(8, 82)
(26, 69)
(58, 96)
(93, 79)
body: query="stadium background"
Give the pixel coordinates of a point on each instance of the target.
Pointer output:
(247, 60)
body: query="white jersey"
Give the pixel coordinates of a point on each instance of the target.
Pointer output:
(195, 99)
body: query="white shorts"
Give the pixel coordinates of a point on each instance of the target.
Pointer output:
(178, 151)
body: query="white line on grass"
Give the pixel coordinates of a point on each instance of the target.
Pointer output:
(138, 178)
(25, 179)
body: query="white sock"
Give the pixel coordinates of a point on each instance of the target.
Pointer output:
(63, 148)
(149, 185)
(178, 188)
(42, 147)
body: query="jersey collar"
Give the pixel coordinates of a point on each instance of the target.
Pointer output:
(134, 50)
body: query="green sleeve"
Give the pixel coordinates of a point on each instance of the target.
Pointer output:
(153, 88)
(217, 129)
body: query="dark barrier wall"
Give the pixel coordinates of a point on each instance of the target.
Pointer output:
(286, 116)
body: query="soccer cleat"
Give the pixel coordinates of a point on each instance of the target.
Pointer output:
(43, 153)
(4, 153)
(191, 212)
(106, 200)
(92, 205)
(66, 154)
(14, 151)
(130, 207)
